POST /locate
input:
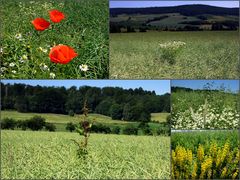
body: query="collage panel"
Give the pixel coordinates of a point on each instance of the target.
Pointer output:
(54, 39)
(204, 104)
(85, 129)
(205, 154)
(174, 39)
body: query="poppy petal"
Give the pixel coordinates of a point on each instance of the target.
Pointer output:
(40, 24)
(56, 16)
(62, 54)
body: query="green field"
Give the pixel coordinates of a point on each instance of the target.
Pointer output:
(46, 155)
(159, 117)
(207, 54)
(60, 120)
(25, 51)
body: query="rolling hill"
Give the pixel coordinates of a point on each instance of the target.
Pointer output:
(178, 18)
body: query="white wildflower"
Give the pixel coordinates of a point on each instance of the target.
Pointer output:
(42, 49)
(44, 67)
(23, 58)
(83, 67)
(52, 75)
(3, 69)
(19, 36)
(12, 64)
(14, 72)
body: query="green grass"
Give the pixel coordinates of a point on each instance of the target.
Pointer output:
(46, 155)
(159, 117)
(207, 54)
(85, 29)
(191, 140)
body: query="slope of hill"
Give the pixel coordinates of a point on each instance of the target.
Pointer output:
(195, 9)
(187, 17)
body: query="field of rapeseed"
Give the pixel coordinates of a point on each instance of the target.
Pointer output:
(54, 39)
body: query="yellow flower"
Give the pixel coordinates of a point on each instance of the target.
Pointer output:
(194, 172)
(207, 164)
(235, 175)
(189, 156)
(224, 171)
(200, 153)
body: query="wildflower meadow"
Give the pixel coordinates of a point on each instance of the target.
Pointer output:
(204, 109)
(205, 155)
(54, 39)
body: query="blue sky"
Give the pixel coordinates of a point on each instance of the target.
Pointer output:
(233, 85)
(129, 4)
(159, 86)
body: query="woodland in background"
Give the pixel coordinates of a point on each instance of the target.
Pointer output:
(132, 104)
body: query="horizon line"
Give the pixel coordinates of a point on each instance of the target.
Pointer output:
(171, 6)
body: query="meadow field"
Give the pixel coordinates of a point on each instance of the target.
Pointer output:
(204, 109)
(25, 51)
(60, 120)
(205, 155)
(52, 155)
(203, 54)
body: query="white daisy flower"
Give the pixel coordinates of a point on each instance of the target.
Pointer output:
(12, 64)
(44, 67)
(14, 72)
(3, 69)
(19, 36)
(52, 75)
(83, 67)
(23, 58)
(42, 49)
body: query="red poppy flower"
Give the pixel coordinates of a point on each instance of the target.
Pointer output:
(40, 24)
(62, 54)
(56, 16)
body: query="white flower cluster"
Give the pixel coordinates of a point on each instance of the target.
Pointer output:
(210, 118)
(172, 45)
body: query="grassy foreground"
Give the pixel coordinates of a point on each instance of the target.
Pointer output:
(208, 54)
(46, 155)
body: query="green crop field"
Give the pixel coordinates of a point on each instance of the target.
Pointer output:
(205, 54)
(52, 155)
(25, 51)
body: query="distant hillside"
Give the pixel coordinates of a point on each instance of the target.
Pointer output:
(188, 10)
(175, 18)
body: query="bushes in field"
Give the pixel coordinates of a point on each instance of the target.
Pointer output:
(70, 127)
(35, 123)
(130, 130)
(50, 127)
(8, 123)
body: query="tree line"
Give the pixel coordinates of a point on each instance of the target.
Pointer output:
(118, 103)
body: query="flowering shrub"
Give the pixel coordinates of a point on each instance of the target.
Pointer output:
(217, 162)
(208, 117)
(170, 50)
